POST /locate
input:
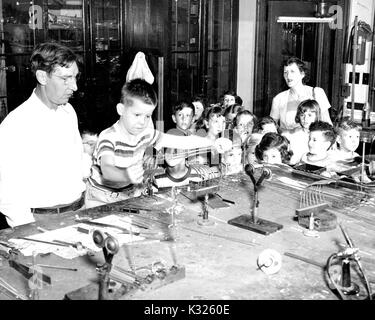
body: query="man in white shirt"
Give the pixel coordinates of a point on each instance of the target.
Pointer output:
(41, 149)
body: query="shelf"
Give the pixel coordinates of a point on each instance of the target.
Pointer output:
(285, 19)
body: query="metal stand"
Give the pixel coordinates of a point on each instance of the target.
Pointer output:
(251, 221)
(205, 221)
(110, 247)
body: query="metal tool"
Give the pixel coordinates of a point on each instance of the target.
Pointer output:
(101, 224)
(43, 241)
(54, 267)
(342, 283)
(10, 291)
(25, 271)
(251, 221)
(77, 245)
(313, 213)
(110, 247)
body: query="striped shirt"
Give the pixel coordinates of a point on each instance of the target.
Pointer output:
(115, 141)
(165, 180)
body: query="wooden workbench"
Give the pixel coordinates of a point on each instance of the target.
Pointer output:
(217, 268)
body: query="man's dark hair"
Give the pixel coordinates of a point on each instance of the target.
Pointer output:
(47, 56)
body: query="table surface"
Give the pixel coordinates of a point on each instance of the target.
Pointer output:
(217, 267)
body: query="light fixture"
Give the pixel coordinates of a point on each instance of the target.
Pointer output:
(286, 19)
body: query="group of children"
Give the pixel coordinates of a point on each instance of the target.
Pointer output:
(188, 152)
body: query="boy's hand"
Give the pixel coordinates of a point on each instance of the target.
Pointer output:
(223, 144)
(135, 173)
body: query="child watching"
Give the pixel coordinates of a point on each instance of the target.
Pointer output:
(243, 124)
(210, 125)
(118, 169)
(266, 124)
(308, 111)
(322, 137)
(230, 113)
(273, 149)
(182, 115)
(348, 133)
(89, 140)
(199, 106)
(228, 98)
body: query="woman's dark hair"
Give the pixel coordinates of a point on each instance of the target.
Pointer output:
(301, 66)
(274, 140)
(306, 105)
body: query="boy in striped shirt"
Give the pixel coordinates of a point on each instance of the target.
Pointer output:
(117, 171)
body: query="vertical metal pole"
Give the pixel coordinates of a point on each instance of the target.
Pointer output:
(355, 47)
(160, 122)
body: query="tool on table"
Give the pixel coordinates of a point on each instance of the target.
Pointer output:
(43, 241)
(310, 261)
(269, 261)
(10, 291)
(34, 282)
(110, 247)
(252, 221)
(338, 270)
(28, 272)
(54, 267)
(77, 245)
(313, 213)
(202, 189)
(101, 224)
(7, 250)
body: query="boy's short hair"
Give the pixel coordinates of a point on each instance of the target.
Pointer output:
(179, 105)
(243, 113)
(307, 105)
(258, 126)
(274, 140)
(46, 56)
(138, 89)
(327, 130)
(347, 124)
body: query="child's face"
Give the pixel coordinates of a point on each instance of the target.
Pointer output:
(318, 144)
(135, 118)
(89, 142)
(349, 140)
(233, 160)
(245, 124)
(272, 156)
(307, 118)
(229, 100)
(216, 124)
(198, 109)
(183, 118)
(269, 127)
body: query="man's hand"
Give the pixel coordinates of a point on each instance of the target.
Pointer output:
(223, 144)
